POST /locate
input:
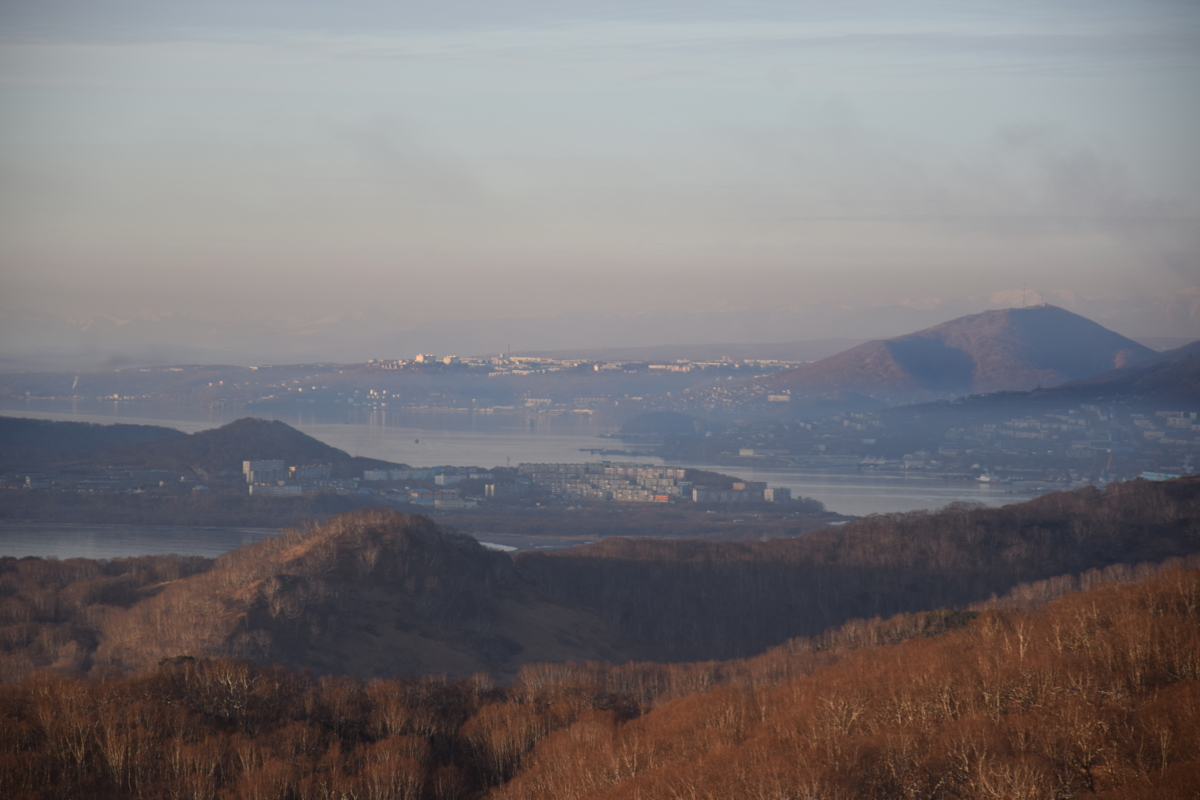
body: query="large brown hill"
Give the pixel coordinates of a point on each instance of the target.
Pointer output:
(1167, 381)
(367, 593)
(376, 593)
(1015, 349)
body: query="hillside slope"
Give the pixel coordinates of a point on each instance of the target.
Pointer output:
(367, 593)
(377, 593)
(33, 444)
(46, 445)
(702, 600)
(1167, 381)
(1013, 349)
(224, 448)
(1170, 377)
(1096, 693)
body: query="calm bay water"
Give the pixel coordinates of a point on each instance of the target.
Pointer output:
(120, 541)
(428, 439)
(63, 541)
(860, 494)
(410, 437)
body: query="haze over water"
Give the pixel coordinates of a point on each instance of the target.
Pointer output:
(121, 541)
(493, 440)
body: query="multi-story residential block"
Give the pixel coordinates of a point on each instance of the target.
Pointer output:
(264, 471)
(311, 472)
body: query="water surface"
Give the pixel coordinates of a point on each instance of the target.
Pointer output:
(121, 541)
(863, 493)
(495, 440)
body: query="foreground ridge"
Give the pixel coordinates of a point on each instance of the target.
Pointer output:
(1098, 692)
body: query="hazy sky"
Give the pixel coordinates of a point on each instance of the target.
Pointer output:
(481, 158)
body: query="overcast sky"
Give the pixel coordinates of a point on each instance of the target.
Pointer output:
(506, 159)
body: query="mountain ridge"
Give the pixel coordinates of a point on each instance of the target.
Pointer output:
(42, 444)
(224, 448)
(1016, 349)
(1166, 381)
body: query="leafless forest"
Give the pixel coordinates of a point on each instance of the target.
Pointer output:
(1097, 692)
(1047, 650)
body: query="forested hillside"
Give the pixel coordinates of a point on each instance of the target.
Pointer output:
(729, 599)
(370, 593)
(1096, 693)
(376, 593)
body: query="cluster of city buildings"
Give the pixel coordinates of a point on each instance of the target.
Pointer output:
(743, 492)
(630, 483)
(273, 478)
(638, 483)
(1178, 428)
(439, 499)
(442, 496)
(509, 365)
(107, 480)
(1087, 443)
(404, 474)
(1089, 430)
